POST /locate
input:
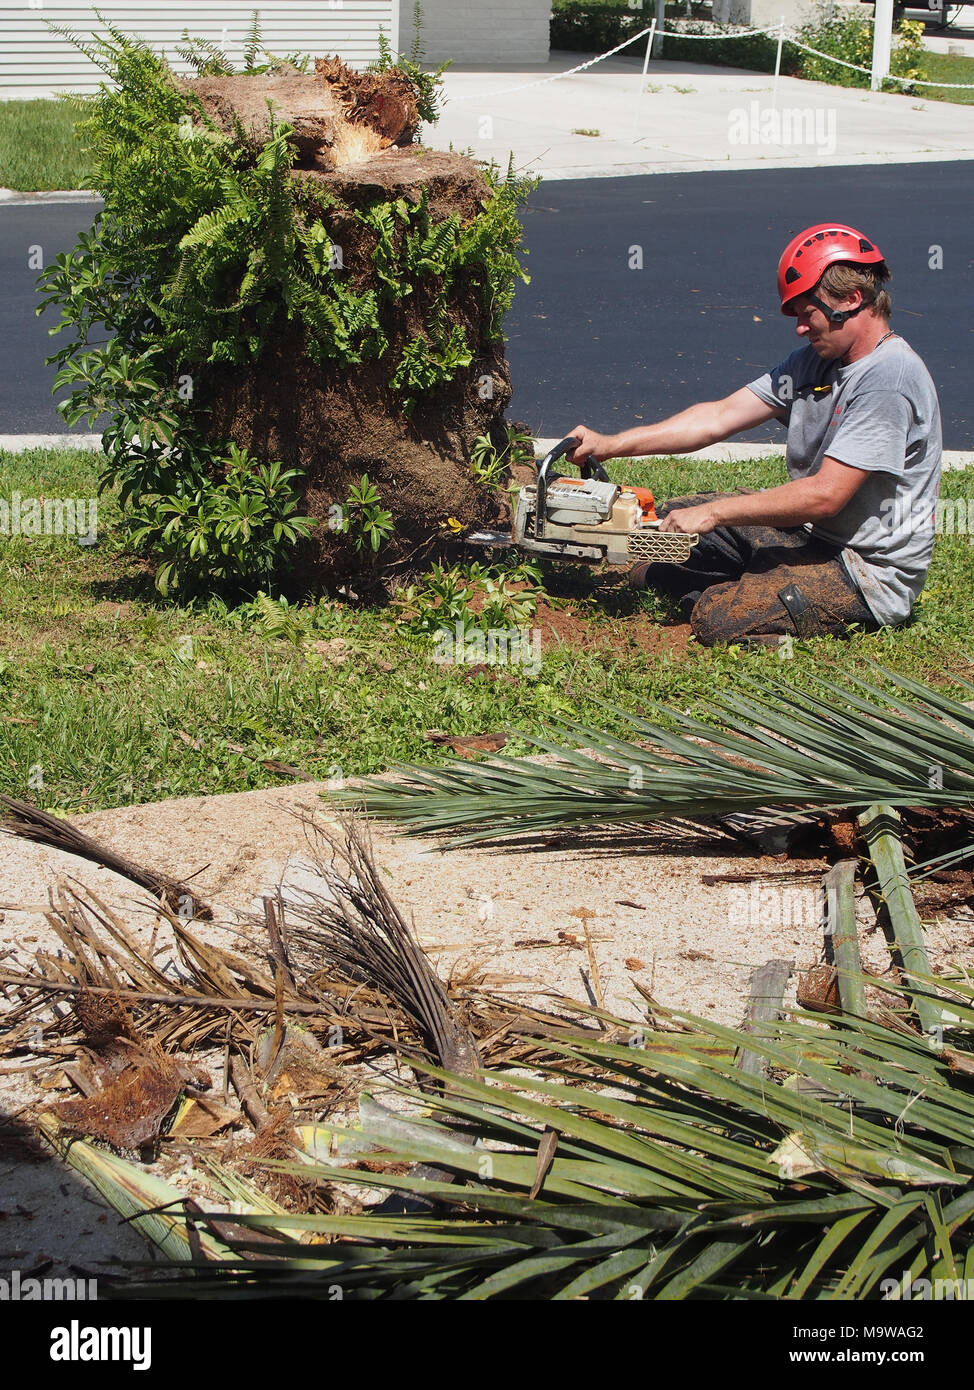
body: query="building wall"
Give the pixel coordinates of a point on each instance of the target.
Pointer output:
(764, 14)
(478, 31)
(34, 62)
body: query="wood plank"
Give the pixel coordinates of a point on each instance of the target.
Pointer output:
(841, 932)
(765, 1004)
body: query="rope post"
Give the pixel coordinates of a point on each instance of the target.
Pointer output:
(882, 43)
(777, 65)
(642, 82)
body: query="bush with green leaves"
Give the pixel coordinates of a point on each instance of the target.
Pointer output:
(231, 529)
(847, 37)
(728, 47)
(589, 28)
(850, 38)
(207, 251)
(364, 520)
(476, 596)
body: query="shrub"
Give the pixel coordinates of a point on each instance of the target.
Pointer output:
(754, 51)
(476, 596)
(850, 37)
(590, 28)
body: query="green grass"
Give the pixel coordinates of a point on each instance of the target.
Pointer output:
(109, 696)
(940, 67)
(38, 146)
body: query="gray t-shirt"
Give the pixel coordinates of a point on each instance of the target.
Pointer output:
(880, 414)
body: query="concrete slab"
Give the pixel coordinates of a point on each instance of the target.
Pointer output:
(685, 116)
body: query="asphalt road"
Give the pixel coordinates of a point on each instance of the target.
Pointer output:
(592, 340)
(595, 342)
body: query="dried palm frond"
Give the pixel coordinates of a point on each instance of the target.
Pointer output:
(31, 823)
(355, 926)
(224, 999)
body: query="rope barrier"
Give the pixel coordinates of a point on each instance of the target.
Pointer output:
(543, 81)
(778, 31)
(890, 77)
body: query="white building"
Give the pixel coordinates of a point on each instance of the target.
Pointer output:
(36, 61)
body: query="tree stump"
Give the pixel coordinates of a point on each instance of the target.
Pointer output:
(334, 420)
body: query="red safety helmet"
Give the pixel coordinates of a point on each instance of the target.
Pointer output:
(807, 257)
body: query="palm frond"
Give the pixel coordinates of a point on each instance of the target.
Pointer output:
(677, 1176)
(770, 747)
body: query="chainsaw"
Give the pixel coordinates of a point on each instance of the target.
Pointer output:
(587, 518)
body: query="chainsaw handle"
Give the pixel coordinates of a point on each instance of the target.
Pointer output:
(591, 468)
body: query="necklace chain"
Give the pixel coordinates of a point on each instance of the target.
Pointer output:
(890, 334)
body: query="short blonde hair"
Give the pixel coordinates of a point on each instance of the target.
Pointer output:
(841, 279)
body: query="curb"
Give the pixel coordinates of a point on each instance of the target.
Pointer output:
(21, 443)
(741, 453)
(10, 197)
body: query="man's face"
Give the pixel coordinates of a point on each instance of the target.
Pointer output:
(830, 340)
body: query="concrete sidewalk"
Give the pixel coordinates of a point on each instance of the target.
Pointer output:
(689, 117)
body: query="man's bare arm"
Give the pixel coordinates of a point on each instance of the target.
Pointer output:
(815, 498)
(707, 423)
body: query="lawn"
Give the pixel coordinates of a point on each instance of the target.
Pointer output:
(38, 145)
(941, 67)
(110, 696)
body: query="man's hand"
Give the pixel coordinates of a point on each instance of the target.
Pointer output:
(691, 521)
(593, 445)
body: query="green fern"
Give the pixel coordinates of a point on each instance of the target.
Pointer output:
(211, 228)
(205, 56)
(253, 43)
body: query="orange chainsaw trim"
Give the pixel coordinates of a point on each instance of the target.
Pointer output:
(646, 502)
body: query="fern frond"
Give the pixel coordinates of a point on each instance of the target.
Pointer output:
(253, 43)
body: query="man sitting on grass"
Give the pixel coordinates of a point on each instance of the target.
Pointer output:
(847, 542)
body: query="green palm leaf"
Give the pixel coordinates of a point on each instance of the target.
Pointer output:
(771, 747)
(665, 1181)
